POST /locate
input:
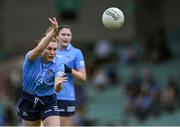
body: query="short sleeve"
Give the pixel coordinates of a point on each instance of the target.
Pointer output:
(79, 60)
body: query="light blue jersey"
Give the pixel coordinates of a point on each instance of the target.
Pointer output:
(38, 77)
(73, 58)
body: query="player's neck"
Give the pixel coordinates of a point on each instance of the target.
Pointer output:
(44, 60)
(63, 47)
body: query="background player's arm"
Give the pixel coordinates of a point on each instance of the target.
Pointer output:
(44, 41)
(79, 74)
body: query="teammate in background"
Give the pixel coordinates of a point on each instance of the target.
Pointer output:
(74, 69)
(40, 71)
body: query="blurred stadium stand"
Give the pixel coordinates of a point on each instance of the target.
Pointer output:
(107, 107)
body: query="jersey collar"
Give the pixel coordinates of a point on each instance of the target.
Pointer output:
(53, 61)
(68, 47)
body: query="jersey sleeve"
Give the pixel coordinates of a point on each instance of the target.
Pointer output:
(79, 60)
(26, 60)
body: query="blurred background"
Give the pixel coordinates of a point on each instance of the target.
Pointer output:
(133, 72)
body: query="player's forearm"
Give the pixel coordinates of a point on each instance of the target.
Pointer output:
(79, 75)
(46, 40)
(42, 45)
(58, 87)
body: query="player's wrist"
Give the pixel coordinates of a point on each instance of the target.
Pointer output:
(55, 29)
(67, 69)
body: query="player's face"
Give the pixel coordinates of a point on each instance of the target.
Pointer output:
(64, 37)
(50, 52)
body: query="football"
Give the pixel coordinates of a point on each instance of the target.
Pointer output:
(113, 18)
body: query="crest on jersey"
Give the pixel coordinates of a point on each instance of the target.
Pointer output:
(51, 73)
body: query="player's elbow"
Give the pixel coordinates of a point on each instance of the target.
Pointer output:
(83, 79)
(39, 50)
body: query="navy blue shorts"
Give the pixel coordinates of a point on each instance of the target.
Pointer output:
(66, 107)
(33, 108)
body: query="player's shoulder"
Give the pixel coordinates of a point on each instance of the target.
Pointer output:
(57, 59)
(75, 49)
(27, 59)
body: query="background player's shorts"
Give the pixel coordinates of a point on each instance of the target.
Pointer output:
(33, 108)
(66, 107)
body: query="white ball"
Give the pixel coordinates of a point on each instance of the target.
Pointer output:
(113, 18)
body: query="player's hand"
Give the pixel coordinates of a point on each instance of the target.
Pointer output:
(61, 80)
(54, 23)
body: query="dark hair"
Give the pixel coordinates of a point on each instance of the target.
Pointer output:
(64, 26)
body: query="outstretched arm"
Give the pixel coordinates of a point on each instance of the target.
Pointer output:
(34, 53)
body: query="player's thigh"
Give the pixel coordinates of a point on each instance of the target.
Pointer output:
(31, 123)
(66, 121)
(51, 121)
